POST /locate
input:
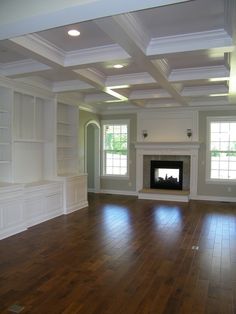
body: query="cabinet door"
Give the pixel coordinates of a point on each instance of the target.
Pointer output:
(11, 217)
(34, 209)
(54, 203)
(12, 213)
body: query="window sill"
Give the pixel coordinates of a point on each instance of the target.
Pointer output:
(221, 181)
(114, 177)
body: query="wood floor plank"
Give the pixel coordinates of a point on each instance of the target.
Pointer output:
(122, 255)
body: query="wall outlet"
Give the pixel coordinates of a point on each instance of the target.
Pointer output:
(130, 184)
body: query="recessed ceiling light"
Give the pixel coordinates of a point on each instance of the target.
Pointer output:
(73, 32)
(118, 66)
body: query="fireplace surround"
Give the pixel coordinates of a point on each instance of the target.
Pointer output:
(145, 150)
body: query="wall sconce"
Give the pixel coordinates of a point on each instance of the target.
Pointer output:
(189, 133)
(145, 134)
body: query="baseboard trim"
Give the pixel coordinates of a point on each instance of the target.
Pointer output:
(213, 198)
(119, 192)
(91, 190)
(75, 207)
(12, 231)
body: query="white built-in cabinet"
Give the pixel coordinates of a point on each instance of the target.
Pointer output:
(39, 176)
(67, 134)
(75, 185)
(5, 134)
(33, 138)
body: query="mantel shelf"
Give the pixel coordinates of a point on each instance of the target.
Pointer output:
(171, 145)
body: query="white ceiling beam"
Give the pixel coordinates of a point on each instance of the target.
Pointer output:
(13, 69)
(26, 16)
(39, 47)
(130, 79)
(68, 86)
(217, 39)
(92, 77)
(94, 55)
(195, 91)
(148, 94)
(97, 80)
(209, 101)
(118, 28)
(199, 73)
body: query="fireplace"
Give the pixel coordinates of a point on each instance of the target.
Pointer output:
(166, 174)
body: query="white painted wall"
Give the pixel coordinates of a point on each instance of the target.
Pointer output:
(169, 126)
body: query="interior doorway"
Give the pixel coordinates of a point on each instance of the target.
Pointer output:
(92, 155)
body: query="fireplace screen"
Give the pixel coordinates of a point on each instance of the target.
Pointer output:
(166, 175)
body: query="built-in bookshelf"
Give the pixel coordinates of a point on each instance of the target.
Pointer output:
(67, 133)
(33, 138)
(5, 133)
(39, 176)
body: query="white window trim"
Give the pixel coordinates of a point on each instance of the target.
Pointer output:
(114, 176)
(208, 158)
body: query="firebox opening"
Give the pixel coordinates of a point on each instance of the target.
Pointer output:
(166, 175)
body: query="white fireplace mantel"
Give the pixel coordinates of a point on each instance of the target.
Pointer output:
(168, 148)
(167, 145)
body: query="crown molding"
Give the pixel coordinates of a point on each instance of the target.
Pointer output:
(132, 79)
(22, 67)
(72, 85)
(213, 101)
(177, 75)
(198, 73)
(218, 38)
(36, 81)
(204, 90)
(92, 76)
(42, 47)
(85, 107)
(94, 55)
(99, 97)
(149, 94)
(68, 99)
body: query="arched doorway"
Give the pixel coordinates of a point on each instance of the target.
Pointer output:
(92, 155)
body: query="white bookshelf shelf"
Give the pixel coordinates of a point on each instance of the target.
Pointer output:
(26, 140)
(64, 122)
(67, 127)
(65, 135)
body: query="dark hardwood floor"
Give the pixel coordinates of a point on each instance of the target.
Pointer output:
(123, 255)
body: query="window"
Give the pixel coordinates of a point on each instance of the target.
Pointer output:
(222, 148)
(115, 148)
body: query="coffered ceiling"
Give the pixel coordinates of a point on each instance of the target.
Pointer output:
(174, 53)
